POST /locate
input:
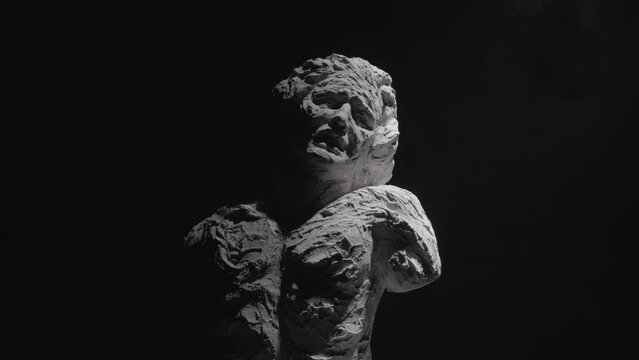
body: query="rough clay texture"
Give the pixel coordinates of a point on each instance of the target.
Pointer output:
(351, 112)
(245, 246)
(312, 292)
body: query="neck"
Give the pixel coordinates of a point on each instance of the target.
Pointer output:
(302, 192)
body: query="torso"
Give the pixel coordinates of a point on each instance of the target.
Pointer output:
(331, 275)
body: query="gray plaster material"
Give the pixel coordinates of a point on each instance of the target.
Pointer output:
(310, 291)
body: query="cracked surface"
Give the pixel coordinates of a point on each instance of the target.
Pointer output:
(341, 260)
(350, 113)
(311, 292)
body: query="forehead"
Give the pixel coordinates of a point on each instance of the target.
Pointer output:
(348, 86)
(324, 84)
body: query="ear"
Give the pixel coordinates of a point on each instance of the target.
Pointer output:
(283, 89)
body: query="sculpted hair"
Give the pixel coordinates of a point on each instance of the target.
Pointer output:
(337, 79)
(318, 90)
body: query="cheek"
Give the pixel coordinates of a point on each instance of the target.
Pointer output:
(357, 138)
(384, 151)
(310, 108)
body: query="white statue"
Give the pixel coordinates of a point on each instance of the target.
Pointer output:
(300, 277)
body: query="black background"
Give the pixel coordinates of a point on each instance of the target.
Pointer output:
(129, 123)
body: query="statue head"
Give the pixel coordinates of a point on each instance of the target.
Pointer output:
(349, 117)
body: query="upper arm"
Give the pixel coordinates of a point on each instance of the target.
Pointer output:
(405, 244)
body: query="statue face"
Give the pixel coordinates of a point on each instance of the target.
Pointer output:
(339, 122)
(350, 118)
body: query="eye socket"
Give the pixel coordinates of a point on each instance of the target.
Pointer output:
(363, 120)
(331, 99)
(362, 115)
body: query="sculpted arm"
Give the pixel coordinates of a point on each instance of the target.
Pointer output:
(405, 250)
(234, 283)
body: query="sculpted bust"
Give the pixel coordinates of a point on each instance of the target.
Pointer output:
(300, 276)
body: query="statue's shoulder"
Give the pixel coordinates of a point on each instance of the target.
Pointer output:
(356, 213)
(388, 193)
(367, 205)
(237, 235)
(379, 201)
(236, 217)
(405, 238)
(235, 279)
(396, 201)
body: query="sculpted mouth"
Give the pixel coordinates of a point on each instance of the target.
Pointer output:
(330, 141)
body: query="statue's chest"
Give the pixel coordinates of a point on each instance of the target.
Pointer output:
(328, 258)
(326, 285)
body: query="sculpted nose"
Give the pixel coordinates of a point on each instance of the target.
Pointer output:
(340, 119)
(338, 123)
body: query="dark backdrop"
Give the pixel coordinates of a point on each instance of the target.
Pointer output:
(129, 123)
